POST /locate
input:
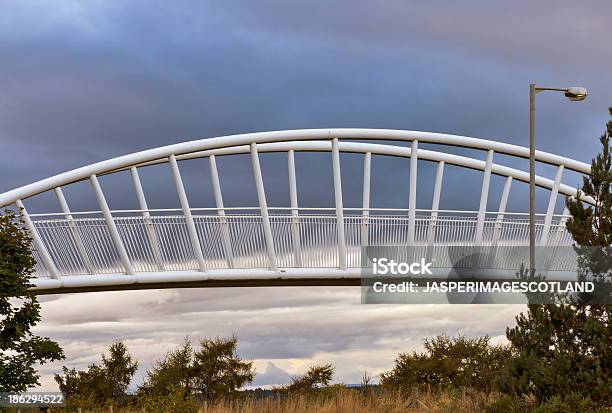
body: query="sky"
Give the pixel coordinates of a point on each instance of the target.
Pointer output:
(84, 81)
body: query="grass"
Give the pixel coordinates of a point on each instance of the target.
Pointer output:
(354, 402)
(346, 401)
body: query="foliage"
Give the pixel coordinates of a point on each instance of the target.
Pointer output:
(508, 404)
(174, 401)
(449, 362)
(103, 384)
(316, 376)
(20, 350)
(174, 372)
(591, 225)
(561, 348)
(567, 347)
(570, 403)
(209, 372)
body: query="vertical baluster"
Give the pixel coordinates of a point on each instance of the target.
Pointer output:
(435, 204)
(501, 211)
(146, 216)
(484, 194)
(367, 165)
(38, 242)
(413, 191)
(112, 227)
(263, 207)
(76, 236)
(339, 206)
(191, 228)
(225, 233)
(295, 220)
(552, 202)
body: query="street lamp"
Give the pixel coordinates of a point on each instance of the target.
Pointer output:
(575, 94)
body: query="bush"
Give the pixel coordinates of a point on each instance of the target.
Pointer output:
(571, 403)
(508, 404)
(174, 401)
(314, 378)
(449, 362)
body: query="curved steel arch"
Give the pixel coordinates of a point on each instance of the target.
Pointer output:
(77, 252)
(283, 136)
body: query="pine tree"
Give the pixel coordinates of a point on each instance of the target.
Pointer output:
(566, 348)
(99, 385)
(591, 225)
(209, 372)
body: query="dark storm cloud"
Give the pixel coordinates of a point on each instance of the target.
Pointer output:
(84, 81)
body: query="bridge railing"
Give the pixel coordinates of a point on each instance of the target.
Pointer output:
(160, 240)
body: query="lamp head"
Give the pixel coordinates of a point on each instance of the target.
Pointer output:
(576, 94)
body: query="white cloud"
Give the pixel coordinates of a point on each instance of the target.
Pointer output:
(291, 328)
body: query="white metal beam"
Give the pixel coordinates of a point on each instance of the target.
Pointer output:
(38, 242)
(413, 192)
(435, 204)
(484, 195)
(74, 233)
(239, 278)
(112, 228)
(225, 233)
(367, 166)
(280, 136)
(295, 220)
(562, 222)
(502, 210)
(191, 228)
(339, 206)
(552, 202)
(263, 207)
(146, 216)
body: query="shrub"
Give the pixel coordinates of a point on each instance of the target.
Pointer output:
(570, 403)
(174, 401)
(508, 404)
(315, 377)
(449, 362)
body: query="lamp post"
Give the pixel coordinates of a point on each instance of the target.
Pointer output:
(574, 94)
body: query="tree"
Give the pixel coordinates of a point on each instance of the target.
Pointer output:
(566, 347)
(173, 372)
(86, 388)
(212, 371)
(316, 376)
(218, 371)
(20, 349)
(562, 349)
(118, 368)
(591, 225)
(449, 362)
(100, 384)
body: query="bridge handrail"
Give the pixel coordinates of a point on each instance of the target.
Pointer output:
(164, 152)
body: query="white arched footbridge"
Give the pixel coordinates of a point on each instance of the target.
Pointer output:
(265, 244)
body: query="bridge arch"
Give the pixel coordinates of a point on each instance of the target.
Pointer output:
(270, 245)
